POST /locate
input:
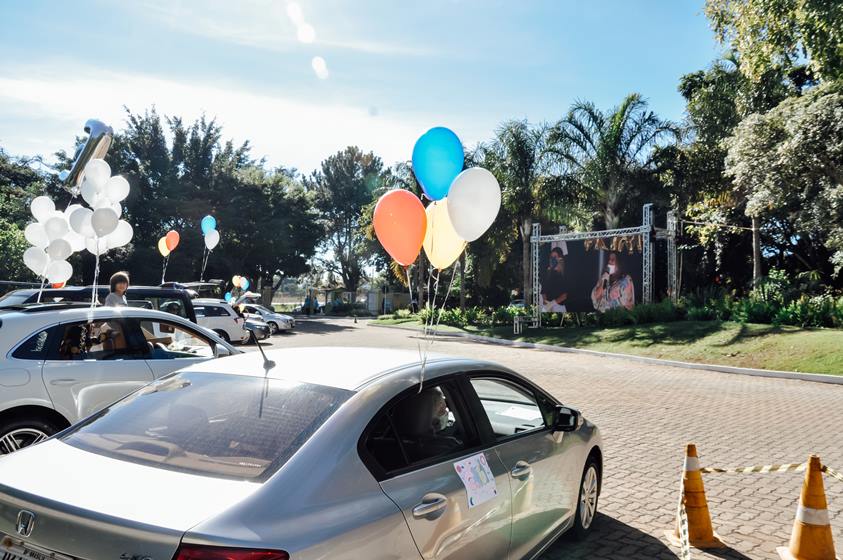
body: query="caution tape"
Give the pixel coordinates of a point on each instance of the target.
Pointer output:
(788, 467)
(682, 515)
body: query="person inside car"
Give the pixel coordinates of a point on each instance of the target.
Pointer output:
(423, 422)
(119, 284)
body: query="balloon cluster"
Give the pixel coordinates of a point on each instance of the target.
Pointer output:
(209, 231)
(56, 235)
(168, 243)
(464, 204)
(238, 282)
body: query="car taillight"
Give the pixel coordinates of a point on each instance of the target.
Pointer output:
(200, 552)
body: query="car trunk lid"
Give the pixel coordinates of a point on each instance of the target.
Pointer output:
(89, 506)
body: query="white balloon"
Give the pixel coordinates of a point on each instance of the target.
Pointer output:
(36, 260)
(80, 222)
(96, 246)
(103, 220)
(59, 249)
(58, 272)
(121, 235)
(117, 209)
(90, 193)
(211, 239)
(35, 234)
(117, 188)
(473, 202)
(102, 202)
(56, 227)
(42, 208)
(77, 242)
(71, 209)
(97, 172)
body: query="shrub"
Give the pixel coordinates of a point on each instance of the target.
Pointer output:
(662, 312)
(617, 317)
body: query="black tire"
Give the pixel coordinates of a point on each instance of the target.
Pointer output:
(223, 335)
(273, 327)
(583, 523)
(23, 432)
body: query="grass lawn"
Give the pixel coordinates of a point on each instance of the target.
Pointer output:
(713, 342)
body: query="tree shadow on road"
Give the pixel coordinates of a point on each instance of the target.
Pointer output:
(611, 538)
(321, 326)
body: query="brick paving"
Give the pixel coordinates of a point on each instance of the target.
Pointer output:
(646, 414)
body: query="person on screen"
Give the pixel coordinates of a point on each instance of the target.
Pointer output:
(554, 289)
(614, 288)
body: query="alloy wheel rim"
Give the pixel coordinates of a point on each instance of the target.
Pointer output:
(20, 438)
(273, 328)
(588, 497)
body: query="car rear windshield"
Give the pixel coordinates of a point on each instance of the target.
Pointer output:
(229, 426)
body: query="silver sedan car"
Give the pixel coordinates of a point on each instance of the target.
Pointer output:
(313, 453)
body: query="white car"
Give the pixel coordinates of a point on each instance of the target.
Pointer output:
(61, 362)
(277, 321)
(220, 317)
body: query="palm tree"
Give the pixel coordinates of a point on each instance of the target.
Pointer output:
(605, 154)
(518, 158)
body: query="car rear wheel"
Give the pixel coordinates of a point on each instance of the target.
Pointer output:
(273, 327)
(24, 432)
(587, 500)
(223, 335)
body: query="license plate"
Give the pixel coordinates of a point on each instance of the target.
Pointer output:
(18, 550)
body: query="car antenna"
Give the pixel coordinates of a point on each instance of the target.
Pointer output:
(267, 363)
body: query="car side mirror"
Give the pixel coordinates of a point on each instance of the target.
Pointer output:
(221, 351)
(566, 419)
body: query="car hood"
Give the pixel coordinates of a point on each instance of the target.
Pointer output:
(80, 498)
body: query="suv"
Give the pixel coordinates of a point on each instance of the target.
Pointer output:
(171, 300)
(61, 362)
(220, 317)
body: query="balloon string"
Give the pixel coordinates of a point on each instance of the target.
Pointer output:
(96, 274)
(427, 327)
(164, 269)
(205, 254)
(41, 291)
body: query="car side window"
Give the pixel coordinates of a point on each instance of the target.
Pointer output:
(96, 340)
(419, 429)
(170, 341)
(35, 347)
(510, 408)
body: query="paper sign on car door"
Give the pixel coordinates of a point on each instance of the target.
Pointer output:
(477, 478)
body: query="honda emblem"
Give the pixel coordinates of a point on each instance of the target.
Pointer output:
(25, 523)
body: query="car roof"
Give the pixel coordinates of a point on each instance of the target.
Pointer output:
(347, 368)
(48, 313)
(210, 301)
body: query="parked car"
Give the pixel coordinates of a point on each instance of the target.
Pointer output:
(277, 321)
(258, 326)
(222, 318)
(171, 299)
(315, 453)
(60, 362)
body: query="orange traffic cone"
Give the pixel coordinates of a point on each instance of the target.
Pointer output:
(811, 538)
(700, 532)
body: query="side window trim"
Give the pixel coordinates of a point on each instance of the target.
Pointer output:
(487, 433)
(47, 352)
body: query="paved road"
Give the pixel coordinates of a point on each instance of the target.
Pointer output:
(647, 413)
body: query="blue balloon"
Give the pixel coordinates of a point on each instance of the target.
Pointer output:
(208, 223)
(227, 296)
(437, 160)
(244, 284)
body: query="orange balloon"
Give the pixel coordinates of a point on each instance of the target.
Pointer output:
(59, 285)
(172, 239)
(400, 224)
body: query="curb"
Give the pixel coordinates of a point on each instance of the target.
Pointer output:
(812, 377)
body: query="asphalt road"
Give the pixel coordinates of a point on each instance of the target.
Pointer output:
(647, 413)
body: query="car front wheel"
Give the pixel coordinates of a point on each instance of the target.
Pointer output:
(23, 433)
(273, 327)
(587, 501)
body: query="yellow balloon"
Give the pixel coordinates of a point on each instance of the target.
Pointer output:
(235, 281)
(162, 247)
(441, 243)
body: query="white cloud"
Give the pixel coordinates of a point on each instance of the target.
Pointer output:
(320, 67)
(48, 107)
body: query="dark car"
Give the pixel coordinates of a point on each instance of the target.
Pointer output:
(172, 300)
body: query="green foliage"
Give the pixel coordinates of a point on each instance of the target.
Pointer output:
(12, 246)
(779, 33)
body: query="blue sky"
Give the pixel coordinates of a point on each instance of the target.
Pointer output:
(389, 69)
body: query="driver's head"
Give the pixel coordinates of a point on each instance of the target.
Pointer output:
(439, 410)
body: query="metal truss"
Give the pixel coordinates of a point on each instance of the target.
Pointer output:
(535, 239)
(647, 254)
(672, 273)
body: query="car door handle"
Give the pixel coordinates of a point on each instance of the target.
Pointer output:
(62, 381)
(431, 503)
(521, 469)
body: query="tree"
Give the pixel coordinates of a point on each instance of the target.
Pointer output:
(789, 164)
(608, 155)
(518, 158)
(779, 34)
(341, 189)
